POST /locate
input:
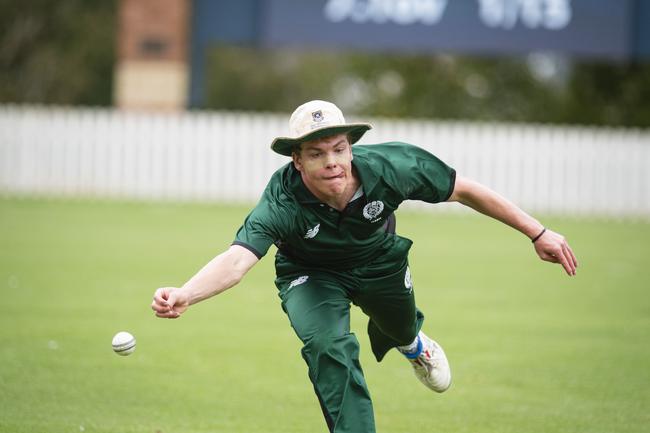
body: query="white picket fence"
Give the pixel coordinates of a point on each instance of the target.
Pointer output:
(225, 157)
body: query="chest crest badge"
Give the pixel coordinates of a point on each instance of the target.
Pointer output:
(311, 233)
(372, 210)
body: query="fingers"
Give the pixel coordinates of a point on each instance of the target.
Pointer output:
(561, 259)
(160, 296)
(565, 256)
(159, 303)
(565, 262)
(163, 303)
(555, 249)
(572, 256)
(571, 262)
(168, 315)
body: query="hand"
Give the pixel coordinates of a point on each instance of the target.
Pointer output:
(169, 302)
(552, 247)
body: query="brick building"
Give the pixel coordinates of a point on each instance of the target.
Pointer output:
(152, 70)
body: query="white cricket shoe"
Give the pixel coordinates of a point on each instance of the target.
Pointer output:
(430, 365)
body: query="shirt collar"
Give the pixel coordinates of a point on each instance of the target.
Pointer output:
(366, 174)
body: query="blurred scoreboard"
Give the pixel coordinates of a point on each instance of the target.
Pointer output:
(616, 30)
(579, 27)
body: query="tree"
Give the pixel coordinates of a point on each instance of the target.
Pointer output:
(543, 88)
(57, 52)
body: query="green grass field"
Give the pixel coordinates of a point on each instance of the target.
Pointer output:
(531, 349)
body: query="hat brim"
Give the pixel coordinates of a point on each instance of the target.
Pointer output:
(285, 145)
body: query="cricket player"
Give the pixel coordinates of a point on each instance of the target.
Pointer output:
(330, 213)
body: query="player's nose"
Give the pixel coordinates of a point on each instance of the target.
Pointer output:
(330, 160)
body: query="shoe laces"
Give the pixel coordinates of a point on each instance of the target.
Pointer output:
(426, 358)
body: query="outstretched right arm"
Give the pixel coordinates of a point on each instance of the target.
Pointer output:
(221, 273)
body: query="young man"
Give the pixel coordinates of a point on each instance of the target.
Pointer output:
(330, 214)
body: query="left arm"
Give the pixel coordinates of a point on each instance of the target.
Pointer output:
(551, 246)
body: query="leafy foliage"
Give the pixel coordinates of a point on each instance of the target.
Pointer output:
(517, 89)
(57, 52)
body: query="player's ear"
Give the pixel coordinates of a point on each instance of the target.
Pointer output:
(296, 161)
(295, 156)
(347, 137)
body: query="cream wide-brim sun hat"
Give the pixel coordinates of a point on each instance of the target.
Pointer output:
(317, 119)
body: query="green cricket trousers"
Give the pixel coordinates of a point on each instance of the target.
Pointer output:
(317, 302)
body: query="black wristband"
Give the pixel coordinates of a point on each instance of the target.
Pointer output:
(539, 235)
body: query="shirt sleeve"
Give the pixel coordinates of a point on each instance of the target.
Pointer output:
(266, 224)
(422, 176)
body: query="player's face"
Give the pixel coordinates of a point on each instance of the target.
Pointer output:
(325, 165)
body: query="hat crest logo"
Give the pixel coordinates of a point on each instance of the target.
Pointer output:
(317, 116)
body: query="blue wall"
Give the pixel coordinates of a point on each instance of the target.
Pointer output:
(233, 22)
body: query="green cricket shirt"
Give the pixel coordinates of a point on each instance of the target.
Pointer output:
(310, 233)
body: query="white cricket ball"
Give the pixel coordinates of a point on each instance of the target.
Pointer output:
(124, 343)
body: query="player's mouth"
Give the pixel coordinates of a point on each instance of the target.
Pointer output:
(338, 176)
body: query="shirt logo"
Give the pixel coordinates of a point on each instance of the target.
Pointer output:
(298, 281)
(408, 283)
(372, 210)
(311, 233)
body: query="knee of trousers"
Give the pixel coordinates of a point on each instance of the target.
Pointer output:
(402, 336)
(406, 337)
(326, 352)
